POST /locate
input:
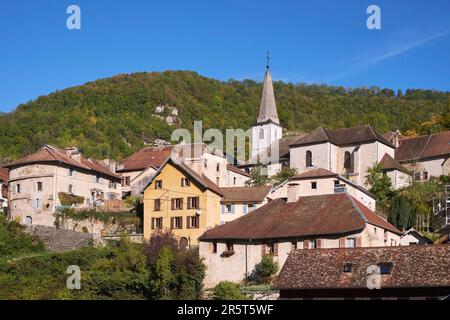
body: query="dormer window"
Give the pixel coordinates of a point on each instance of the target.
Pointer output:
(348, 267)
(385, 267)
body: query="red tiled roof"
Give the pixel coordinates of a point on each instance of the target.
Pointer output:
(343, 136)
(4, 175)
(54, 154)
(413, 267)
(245, 194)
(388, 163)
(237, 170)
(331, 214)
(200, 179)
(374, 219)
(435, 145)
(314, 173)
(145, 158)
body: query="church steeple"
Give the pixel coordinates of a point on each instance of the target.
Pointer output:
(268, 108)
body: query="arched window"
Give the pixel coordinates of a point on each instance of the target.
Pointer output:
(261, 133)
(348, 162)
(28, 221)
(309, 162)
(183, 244)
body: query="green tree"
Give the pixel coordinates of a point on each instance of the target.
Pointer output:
(284, 174)
(266, 269)
(401, 214)
(258, 176)
(227, 290)
(379, 184)
(163, 274)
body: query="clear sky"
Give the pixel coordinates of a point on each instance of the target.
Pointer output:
(320, 41)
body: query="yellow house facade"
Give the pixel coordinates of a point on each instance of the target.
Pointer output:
(179, 200)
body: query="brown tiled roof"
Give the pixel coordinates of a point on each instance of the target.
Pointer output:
(423, 147)
(200, 179)
(374, 219)
(54, 154)
(413, 267)
(145, 158)
(314, 173)
(237, 170)
(389, 136)
(4, 175)
(344, 136)
(321, 215)
(245, 194)
(388, 163)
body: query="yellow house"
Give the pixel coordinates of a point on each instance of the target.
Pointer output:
(182, 201)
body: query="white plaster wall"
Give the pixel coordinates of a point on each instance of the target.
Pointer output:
(236, 179)
(320, 156)
(272, 132)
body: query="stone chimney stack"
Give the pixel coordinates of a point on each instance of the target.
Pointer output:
(293, 192)
(74, 153)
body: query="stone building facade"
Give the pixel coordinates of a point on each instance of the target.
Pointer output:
(37, 181)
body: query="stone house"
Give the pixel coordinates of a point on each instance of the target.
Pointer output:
(231, 251)
(399, 175)
(3, 189)
(425, 156)
(39, 180)
(318, 181)
(179, 200)
(238, 201)
(350, 152)
(411, 272)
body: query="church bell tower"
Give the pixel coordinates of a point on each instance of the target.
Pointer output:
(267, 129)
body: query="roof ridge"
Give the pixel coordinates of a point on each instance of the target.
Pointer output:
(425, 145)
(358, 209)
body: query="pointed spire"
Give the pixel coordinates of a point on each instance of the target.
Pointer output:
(268, 108)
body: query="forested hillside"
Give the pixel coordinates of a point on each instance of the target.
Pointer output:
(114, 117)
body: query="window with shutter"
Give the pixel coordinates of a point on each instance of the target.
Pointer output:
(275, 249)
(306, 244)
(319, 243)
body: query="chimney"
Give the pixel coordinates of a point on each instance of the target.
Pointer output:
(396, 139)
(74, 153)
(293, 192)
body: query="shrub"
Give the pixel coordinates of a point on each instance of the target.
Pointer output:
(266, 269)
(157, 241)
(227, 290)
(67, 199)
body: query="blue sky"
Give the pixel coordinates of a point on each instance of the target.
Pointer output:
(320, 41)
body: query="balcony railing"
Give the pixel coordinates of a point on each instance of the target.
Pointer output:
(340, 189)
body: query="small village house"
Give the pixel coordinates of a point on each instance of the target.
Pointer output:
(413, 237)
(318, 181)
(411, 272)
(38, 183)
(137, 170)
(426, 156)
(231, 251)
(238, 201)
(180, 200)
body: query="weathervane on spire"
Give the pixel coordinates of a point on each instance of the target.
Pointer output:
(268, 59)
